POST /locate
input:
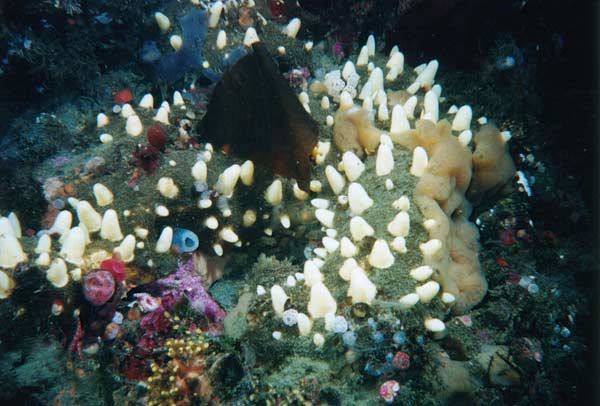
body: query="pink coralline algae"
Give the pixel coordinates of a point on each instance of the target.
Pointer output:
(53, 188)
(60, 160)
(98, 287)
(337, 49)
(508, 237)
(149, 341)
(187, 283)
(298, 78)
(528, 349)
(388, 390)
(401, 360)
(147, 158)
(94, 166)
(76, 345)
(466, 320)
(155, 322)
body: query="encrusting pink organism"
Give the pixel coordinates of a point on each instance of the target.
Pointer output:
(186, 282)
(98, 287)
(388, 390)
(401, 360)
(147, 158)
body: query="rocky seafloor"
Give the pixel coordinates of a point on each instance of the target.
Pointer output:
(204, 325)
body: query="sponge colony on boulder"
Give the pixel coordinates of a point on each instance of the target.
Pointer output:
(492, 165)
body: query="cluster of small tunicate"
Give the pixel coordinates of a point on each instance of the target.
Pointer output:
(117, 318)
(58, 204)
(340, 325)
(563, 331)
(562, 334)
(290, 317)
(336, 85)
(373, 369)
(349, 338)
(334, 82)
(399, 360)
(389, 357)
(378, 337)
(223, 206)
(202, 187)
(378, 369)
(399, 338)
(526, 282)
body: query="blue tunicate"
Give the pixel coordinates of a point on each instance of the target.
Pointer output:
(290, 317)
(372, 323)
(173, 65)
(349, 338)
(117, 318)
(103, 18)
(386, 368)
(170, 67)
(340, 325)
(150, 52)
(211, 74)
(525, 281)
(378, 337)
(566, 348)
(557, 329)
(372, 370)
(565, 332)
(184, 240)
(506, 63)
(233, 56)
(58, 204)
(399, 337)
(389, 357)
(200, 186)
(223, 205)
(320, 74)
(533, 289)
(420, 340)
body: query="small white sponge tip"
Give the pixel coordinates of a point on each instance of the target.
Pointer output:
(381, 257)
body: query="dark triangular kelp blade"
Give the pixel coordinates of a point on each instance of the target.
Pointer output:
(255, 113)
